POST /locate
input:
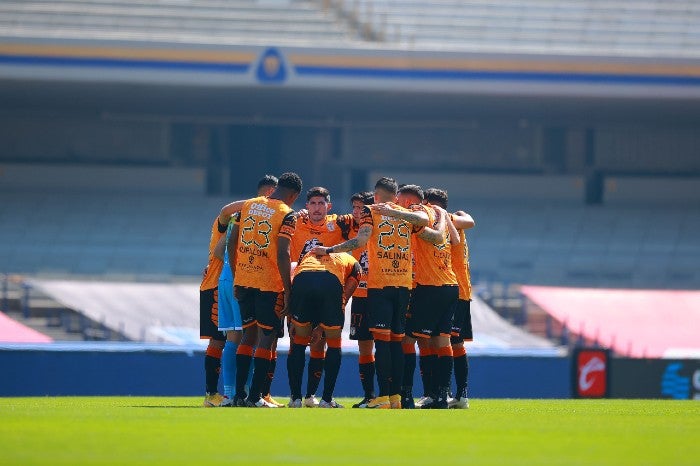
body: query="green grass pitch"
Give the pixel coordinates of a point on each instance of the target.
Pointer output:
(153, 431)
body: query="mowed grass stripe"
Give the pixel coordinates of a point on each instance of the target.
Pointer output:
(118, 430)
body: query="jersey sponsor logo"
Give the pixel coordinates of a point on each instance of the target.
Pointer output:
(392, 255)
(260, 210)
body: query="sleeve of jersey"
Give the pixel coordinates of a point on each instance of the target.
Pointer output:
(366, 217)
(416, 229)
(289, 224)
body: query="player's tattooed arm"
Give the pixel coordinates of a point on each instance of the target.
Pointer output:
(359, 241)
(417, 217)
(435, 234)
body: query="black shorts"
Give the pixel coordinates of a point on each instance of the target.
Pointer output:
(259, 307)
(462, 322)
(359, 320)
(432, 308)
(387, 308)
(317, 297)
(209, 315)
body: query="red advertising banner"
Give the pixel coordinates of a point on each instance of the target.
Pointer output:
(591, 373)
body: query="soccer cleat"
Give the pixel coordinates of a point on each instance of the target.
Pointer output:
(261, 403)
(227, 403)
(213, 400)
(362, 404)
(440, 402)
(329, 404)
(423, 401)
(395, 401)
(239, 401)
(272, 401)
(311, 401)
(380, 402)
(295, 403)
(458, 403)
(407, 401)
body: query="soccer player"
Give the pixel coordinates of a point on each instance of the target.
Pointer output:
(461, 331)
(262, 274)
(317, 227)
(321, 287)
(386, 229)
(432, 300)
(359, 329)
(229, 313)
(209, 311)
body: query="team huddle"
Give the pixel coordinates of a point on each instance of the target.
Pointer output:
(400, 259)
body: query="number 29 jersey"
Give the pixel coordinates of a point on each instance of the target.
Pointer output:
(262, 221)
(388, 249)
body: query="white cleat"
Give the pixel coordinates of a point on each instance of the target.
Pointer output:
(458, 403)
(311, 402)
(329, 404)
(426, 400)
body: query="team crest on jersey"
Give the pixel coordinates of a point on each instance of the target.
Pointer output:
(330, 226)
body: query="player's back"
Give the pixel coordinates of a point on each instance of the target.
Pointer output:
(262, 221)
(388, 249)
(339, 264)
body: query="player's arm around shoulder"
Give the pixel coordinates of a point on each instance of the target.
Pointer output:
(417, 217)
(228, 210)
(436, 233)
(363, 235)
(462, 220)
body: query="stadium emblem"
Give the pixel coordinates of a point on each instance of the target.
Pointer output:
(271, 68)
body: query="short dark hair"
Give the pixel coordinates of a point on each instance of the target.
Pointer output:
(366, 197)
(318, 191)
(412, 189)
(267, 180)
(436, 197)
(387, 184)
(290, 181)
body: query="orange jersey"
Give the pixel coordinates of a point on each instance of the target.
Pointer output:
(262, 222)
(388, 248)
(307, 235)
(342, 265)
(211, 278)
(433, 262)
(460, 265)
(360, 255)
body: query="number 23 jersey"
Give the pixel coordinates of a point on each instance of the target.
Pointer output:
(262, 221)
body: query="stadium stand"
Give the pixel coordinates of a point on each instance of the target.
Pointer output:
(555, 243)
(637, 27)
(226, 21)
(166, 313)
